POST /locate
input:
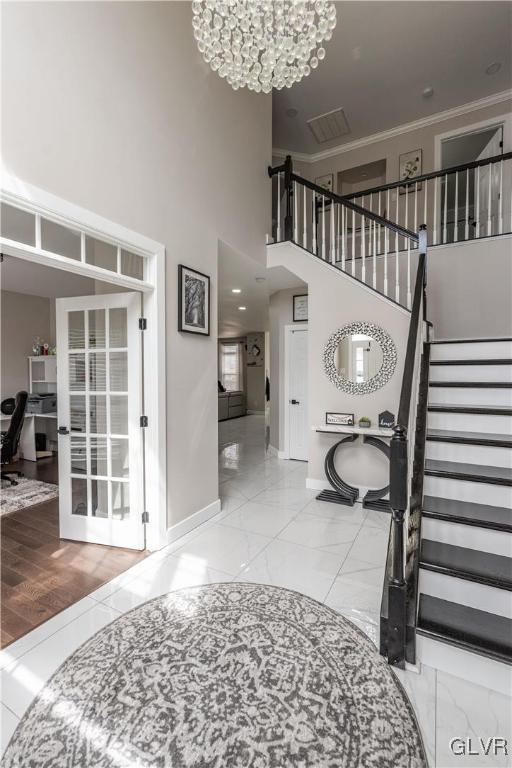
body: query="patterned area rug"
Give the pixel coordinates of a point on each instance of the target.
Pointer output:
(221, 676)
(27, 493)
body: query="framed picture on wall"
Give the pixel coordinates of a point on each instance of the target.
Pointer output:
(300, 308)
(339, 419)
(410, 166)
(193, 301)
(326, 182)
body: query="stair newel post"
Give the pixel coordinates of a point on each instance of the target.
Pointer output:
(288, 190)
(398, 493)
(422, 249)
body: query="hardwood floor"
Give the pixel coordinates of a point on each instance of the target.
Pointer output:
(42, 574)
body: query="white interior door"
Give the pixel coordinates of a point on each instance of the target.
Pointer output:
(99, 404)
(298, 394)
(488, 190)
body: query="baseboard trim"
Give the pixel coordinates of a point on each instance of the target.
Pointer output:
(192, 521)
(255, 413)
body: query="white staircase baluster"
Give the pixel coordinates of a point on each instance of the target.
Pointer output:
(323, 227)
(489, 202)
(343, 241)
(445, 208)
(386, 244)
(278, 207)
(425, 209)
(337, 241)
(466, 217)
(408, 248)
(397, 273)
(313, 206)
(500, 201)
(363, 248)
(295, 212)
(305, 220)
(477, 203)
(415, 206)
(379, 226)
(333, 242)
(456, 210)
(435, 240)
(353, 243)
(375, 254)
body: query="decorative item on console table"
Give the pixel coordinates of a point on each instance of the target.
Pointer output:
(339, 419)
(193, 301)
(386, 420)
(300, 308)
(364, 422)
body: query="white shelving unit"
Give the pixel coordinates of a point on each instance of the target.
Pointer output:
(42, 374)
(42, 379)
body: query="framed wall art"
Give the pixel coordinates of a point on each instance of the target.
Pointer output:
(193, 301)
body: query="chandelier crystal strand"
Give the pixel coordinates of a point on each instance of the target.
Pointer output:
(262, 44)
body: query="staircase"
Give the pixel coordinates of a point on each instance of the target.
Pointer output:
(465, 561)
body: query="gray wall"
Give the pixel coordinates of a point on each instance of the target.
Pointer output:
(255, 375)
(335, 300)
(469, 289)
(110, 106)
(23, 317)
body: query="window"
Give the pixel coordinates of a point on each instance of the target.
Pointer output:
(231, 366)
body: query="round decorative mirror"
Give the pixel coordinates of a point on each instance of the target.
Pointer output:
(360, 358)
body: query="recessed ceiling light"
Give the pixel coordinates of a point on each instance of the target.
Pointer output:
(260, 279)
(242, 309)
(364, 175)
(427, 92)
(236, 290)
(292, 112)
(493, 68)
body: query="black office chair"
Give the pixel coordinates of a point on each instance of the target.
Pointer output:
(11, 438)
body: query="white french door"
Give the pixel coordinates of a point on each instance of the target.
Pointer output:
(99, 403)
(298, 393)
(487, 186)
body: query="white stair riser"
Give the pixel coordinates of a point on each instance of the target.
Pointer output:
(470, 422)
(464, 592)
(468, 351)
(464, 490)
(467, 536)
(471, 373)
(484, 396)
(469, 454)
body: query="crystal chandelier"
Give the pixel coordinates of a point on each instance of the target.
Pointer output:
(263, 44)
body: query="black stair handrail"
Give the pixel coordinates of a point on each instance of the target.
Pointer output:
(401, 444)
(432, 175)
(290, 177)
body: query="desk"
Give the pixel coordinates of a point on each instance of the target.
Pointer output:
(28, 433)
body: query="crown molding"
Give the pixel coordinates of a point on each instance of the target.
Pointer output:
(423, 122)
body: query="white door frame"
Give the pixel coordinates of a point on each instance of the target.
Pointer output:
(285, 454)
(18, 193)
(491, 122)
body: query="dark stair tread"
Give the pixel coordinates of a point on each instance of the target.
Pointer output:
(471, 564)
(472, 384)
(480, 361)
(481, 515)
(470, 438)
(468, 628)
(484, 410)
(473, 472)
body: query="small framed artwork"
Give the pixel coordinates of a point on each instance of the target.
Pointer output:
(326, 182)
(340, 419)
(410, 166)
(193, 301)
(300, 308)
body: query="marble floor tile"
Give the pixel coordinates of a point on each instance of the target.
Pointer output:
(265, 519)
(8, 723)
(334, 536)
(24, 678)
(328, 510)
(371, 545)
(360, 591)
(467, 711)
(421, 692)
(292, 498)
(224, 548)
(284, 564)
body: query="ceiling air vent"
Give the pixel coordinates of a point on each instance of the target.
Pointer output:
(330, 126)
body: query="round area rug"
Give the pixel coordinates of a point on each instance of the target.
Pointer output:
(221, 676)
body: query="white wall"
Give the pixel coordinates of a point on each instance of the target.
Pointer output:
(110, 106)
(335, 300)
(23, 317)
(255, 375)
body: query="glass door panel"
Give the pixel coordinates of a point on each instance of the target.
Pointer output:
(100, 403)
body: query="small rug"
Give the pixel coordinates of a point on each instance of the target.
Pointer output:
(221, 676)
(27, 493)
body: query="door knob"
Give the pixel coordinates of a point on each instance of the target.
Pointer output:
(63, 431)
(295, 402)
